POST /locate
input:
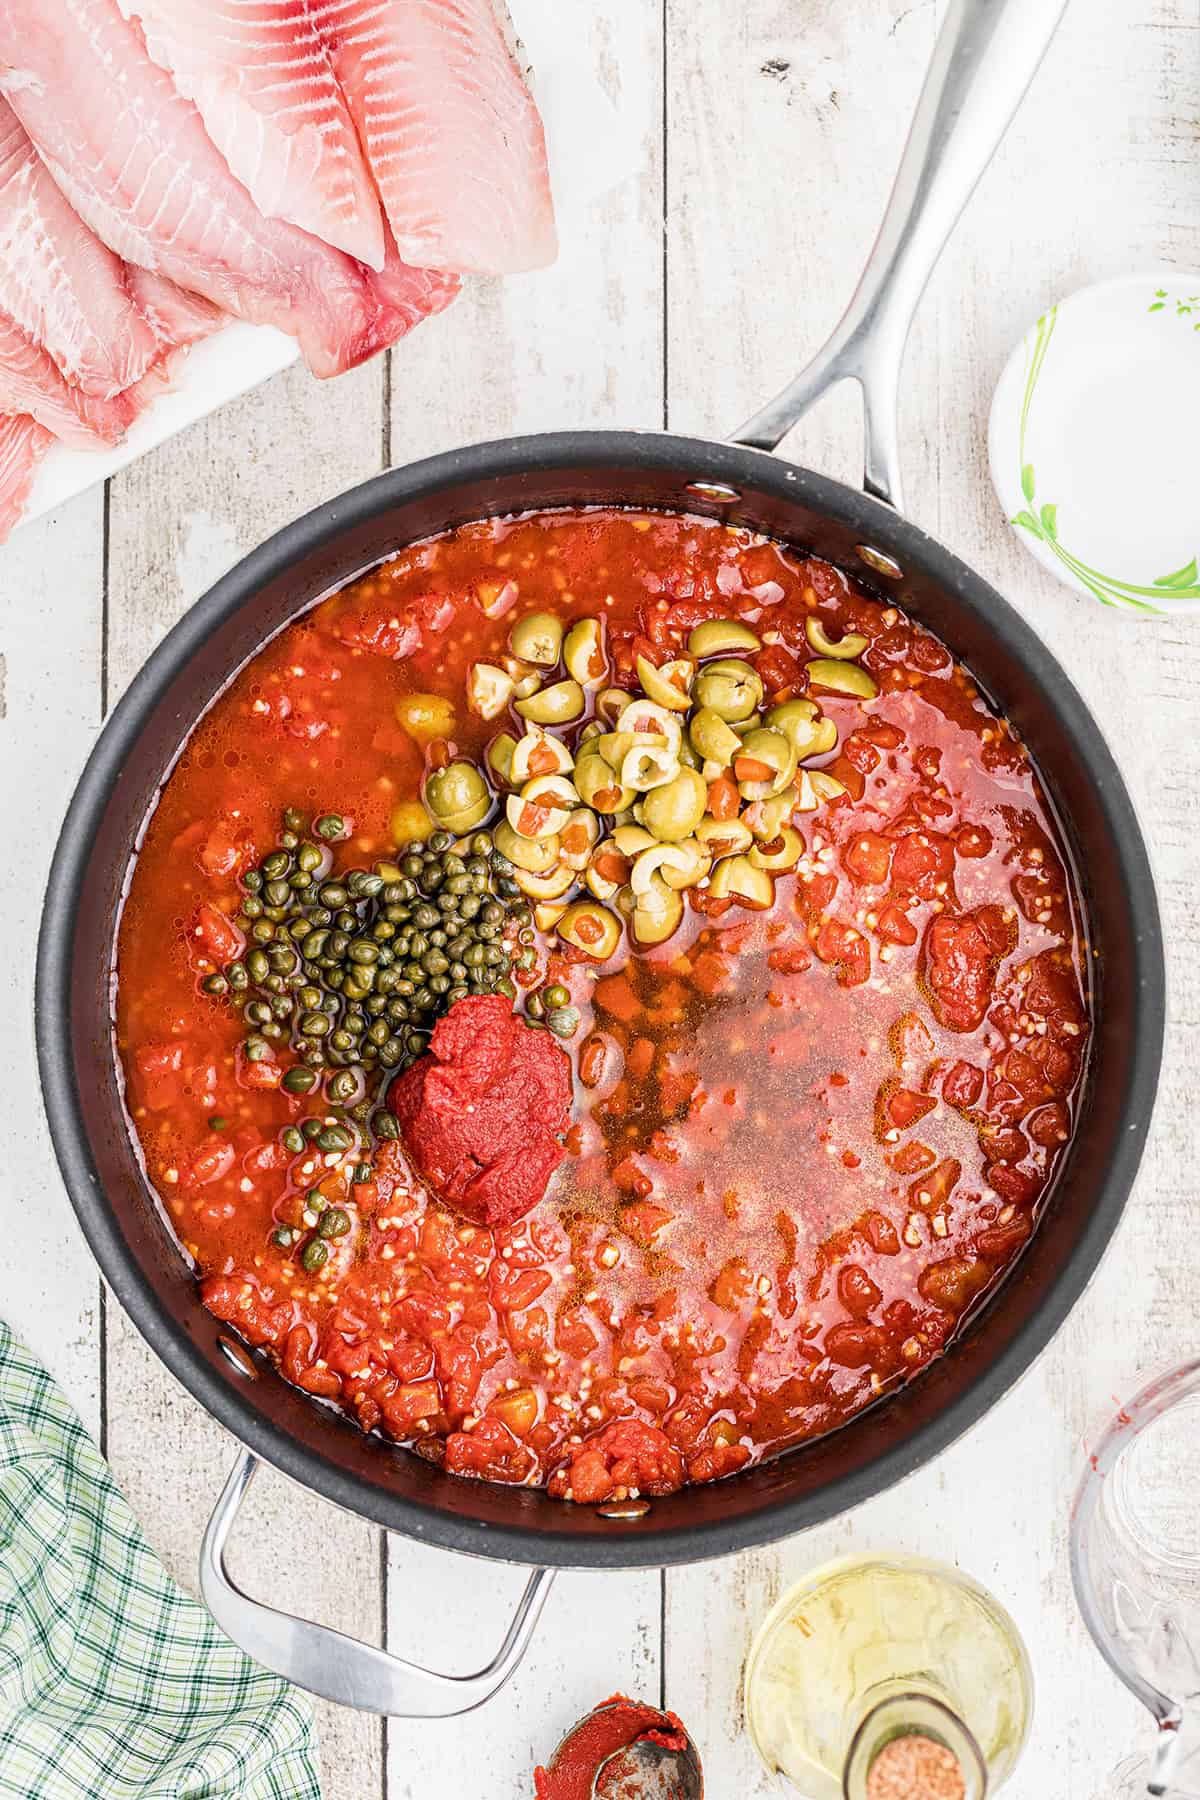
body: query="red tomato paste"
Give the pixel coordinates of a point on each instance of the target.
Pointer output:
(612, 1726)
(483, 1113)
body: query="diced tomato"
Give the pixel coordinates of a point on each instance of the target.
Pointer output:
(923, 865)
(625, 1454)
(217, 936)
(959, 967)
(208, 1162)
(856, 1291)
(848, 949)
(962, 1084)
(614, 994)
(905, 1107)
(867, 858)
(159, 1067)
(489, 1452)
(953, 1283)
(789, 959)
(895, 926)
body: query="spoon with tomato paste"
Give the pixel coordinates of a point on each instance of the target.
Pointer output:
(482, 1114)
(623, 1750)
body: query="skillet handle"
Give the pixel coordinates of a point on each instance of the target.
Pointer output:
(336, 1667)
(986, 55)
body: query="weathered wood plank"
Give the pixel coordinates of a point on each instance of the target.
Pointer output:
(1080, 191)
(179, 518)
(580, 344)
(51, 609)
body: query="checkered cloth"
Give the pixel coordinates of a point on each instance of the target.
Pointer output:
(113, 1684)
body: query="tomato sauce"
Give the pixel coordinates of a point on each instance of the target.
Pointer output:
(805, 1141)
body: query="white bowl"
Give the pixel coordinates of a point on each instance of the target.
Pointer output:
(1094, 441)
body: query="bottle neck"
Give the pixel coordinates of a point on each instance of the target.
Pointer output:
(910, 1746)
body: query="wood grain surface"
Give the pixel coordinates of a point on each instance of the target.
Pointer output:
(769, 136)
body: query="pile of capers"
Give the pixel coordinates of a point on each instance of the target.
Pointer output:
(351, 971)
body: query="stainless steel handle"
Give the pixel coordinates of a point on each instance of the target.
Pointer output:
(337, 1667)
(986, 55)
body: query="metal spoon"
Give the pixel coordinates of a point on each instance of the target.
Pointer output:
(650, 1771)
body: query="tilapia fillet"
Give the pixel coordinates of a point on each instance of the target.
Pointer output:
(133, 158)
(261, 77)
(452, 135)
(23, 443)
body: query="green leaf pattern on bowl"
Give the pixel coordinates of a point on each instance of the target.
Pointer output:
(1042, 521)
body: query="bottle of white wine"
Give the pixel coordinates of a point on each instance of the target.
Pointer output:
(888, 1678)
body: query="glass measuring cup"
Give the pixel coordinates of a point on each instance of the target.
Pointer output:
(1135, 1563)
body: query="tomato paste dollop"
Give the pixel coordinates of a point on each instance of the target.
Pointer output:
(617, 1723)
(481, 1114)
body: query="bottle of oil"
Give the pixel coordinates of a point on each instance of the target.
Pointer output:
(888, 1678)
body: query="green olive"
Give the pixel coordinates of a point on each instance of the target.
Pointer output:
(721, 637)
(842, 649)
(583, 652)
(842, 678)
(680, 865)
(537, 856)
(673, 811)
(730, 687)
(724, 837)
(629, 839)
(649, 763)
(579, 837)
(767, 818)
(670, 686)
(736, 878)
(613, 746)
(590, 928)
(764, 765)
(456, 792)
(611, 703)
(499, 757)
(801, 723)
(489, 690)
(656, 913)
(826, 787)
(781, 853)
(551, 886)
(537, 638)
(557, 704)
(712, 738)
(543, 806)
(537, 753)
(598, 784)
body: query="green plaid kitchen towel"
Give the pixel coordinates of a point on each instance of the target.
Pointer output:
(113, 1684)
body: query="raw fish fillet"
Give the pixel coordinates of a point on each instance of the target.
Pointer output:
(30, 382)
(133, 158)
(176, 318)
(23, 443)
(451, 132)
(58, 282)
(264, 85)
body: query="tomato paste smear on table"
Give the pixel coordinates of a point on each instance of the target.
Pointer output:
(816, 1106)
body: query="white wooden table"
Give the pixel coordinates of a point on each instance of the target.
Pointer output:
(770, 133)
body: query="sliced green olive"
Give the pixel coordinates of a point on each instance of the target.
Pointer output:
(646, 718)
(593, 729)
(826, 787)
(651, 866)
(537, 753)
(457, 792)
(579, 837)
(688, 757)
(721, 637)
(583, 652)
(779, 854)
(590, 928)
(690, 863)
(842, 678)
(736, 878)
(543, 806)
(843, 649)
(670, 686)
(611, 703)
(601, 886)
(489, 690)
(767, 818)
(715, 740)
(673, 811)
(806, 799)
(656, 913)
(730, 687)
(724, 837)
(557, 704)
(551, 886)
(765, 764)
(537, 638)
(547, 913)
(651, 763)
(499, 758)
(526, 681)
(535, 855)
(613, 746)
(598, 784)
(803, 724)
(629, 839)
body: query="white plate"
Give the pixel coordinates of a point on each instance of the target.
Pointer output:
(1093, 442)
(591, 149)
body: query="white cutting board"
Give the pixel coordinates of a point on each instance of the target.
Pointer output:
(591, 149)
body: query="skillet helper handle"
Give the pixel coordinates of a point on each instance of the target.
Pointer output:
(336, 1667)
(986, 55)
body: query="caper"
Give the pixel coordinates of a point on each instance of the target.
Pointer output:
(314, 1255)
(721, 637)
(563, 1021)
(335, 1223)
(557, 704)
(385, 1124)
(537, 638)
(673, 811)
(730, 687)
(299, 1081)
